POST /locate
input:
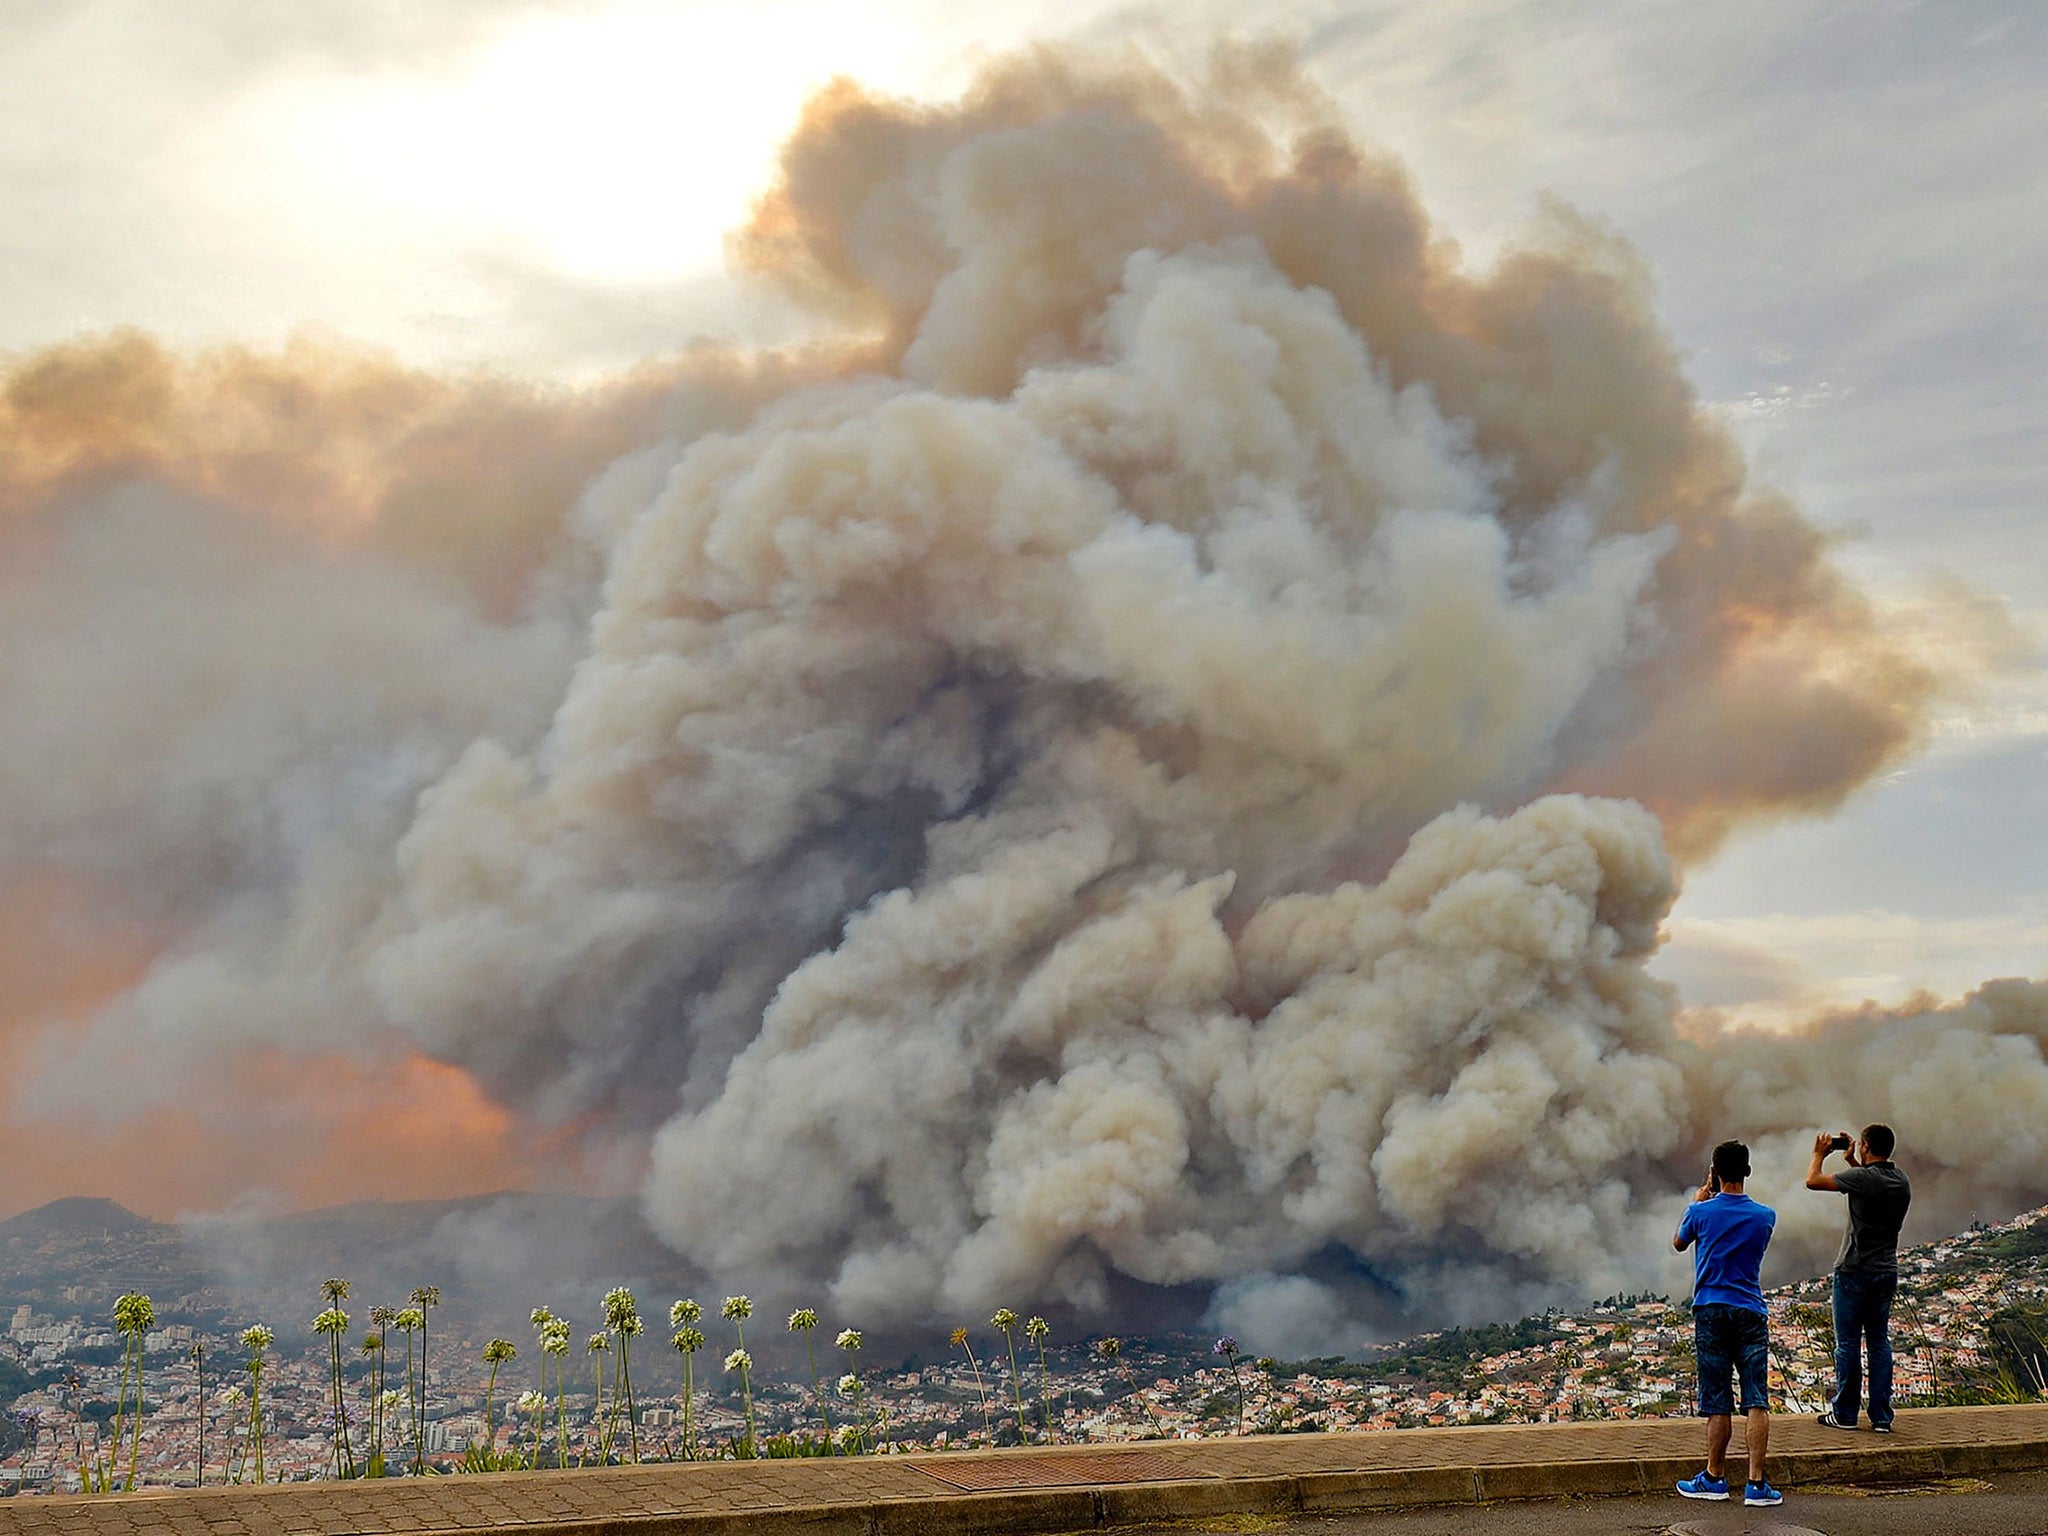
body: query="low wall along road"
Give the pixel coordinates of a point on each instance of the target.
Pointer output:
(1060, 1488)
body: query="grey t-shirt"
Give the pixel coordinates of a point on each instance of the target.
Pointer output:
(1878, 1196)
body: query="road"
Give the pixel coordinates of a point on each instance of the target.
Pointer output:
(2010, 1504)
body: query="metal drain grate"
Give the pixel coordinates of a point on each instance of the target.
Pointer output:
(988, 1474)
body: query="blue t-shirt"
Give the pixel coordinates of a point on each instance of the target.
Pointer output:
(1728, 1235)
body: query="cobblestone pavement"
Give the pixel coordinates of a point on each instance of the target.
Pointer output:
(1012, 1490)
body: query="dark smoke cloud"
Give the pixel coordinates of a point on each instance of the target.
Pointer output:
(1147, 771)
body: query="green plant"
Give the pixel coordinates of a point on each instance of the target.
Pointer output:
(332, 1324)
(804, 1321)
(256, 1339)
(622, 1316)
(134, 1316)
(424, 1299)
(554, 1343)
(381, 1320)
(409, 1321)
(737, 1309)
(496, 1353)
(687, 1339)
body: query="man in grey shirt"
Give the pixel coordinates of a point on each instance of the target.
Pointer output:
(1867, 1272)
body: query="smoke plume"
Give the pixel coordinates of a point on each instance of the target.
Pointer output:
(1145, 771)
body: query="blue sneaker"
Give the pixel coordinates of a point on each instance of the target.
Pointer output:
(1704, 1485)
(1761, 1493)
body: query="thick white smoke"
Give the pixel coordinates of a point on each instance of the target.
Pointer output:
(1135, 785)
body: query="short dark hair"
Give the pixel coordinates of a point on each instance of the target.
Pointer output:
(1731, 1162)
(1880, 1139)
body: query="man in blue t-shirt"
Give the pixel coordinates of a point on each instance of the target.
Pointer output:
(1728, 1233)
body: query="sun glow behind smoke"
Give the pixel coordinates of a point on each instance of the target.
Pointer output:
(615, 148)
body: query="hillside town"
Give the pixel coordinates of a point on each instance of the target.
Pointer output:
(1628, 1357)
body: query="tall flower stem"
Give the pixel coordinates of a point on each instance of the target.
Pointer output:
(1036, 1329)
(1006, 1320)
(849, 1341)
(198, 1353)
(257, 1339)
(981, 1387)
(333, 1324)
(738, 1309)
(496, 1353)
(554, 1341)
(424, 1299)
(803, 1321)
(599, 1345)
(687, 1339)
(622, 1316)
(134, 1315)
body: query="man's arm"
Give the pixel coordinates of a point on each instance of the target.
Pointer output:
(1815, 1179)
(1682, 1239)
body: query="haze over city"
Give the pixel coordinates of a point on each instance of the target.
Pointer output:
(1256, 664)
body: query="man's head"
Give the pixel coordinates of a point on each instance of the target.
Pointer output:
(1878, 1142)
(1731, 1162)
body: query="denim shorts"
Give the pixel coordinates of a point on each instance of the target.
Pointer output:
(1731, 1341)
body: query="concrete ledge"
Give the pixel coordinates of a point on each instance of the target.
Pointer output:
(1136, 1503)
(1056, 1489)
(1338, 1492)
(1557, 1479)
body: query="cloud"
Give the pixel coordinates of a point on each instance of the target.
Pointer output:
(1146, 762)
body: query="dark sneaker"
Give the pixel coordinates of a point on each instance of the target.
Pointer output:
(1761, 1493)
(1702, 1485)
(1829, 1421)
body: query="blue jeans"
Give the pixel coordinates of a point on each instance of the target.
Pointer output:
(1863, 1319)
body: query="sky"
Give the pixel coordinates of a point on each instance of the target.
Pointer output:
(1841, 209)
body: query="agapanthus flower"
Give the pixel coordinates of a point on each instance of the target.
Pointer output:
(333, 1320)
(739, 1360)
(1036, 1328)
(849, 1385)
(411, 1320)
(619, 1306)
(391, 1400)
(596, 1342)
(530, 1401)
(1004, 1319)
(499, 1350)
(541, 1317)
(372, 1342)
(849, 1338)
(232, 1396)
(134, 1313)
(383, 1317)
(426, 1296)
(1226, 1346)
(1109, 1349)
(554, 1336)
(959, 1337)
(738, 1307)
(684, 1311)
(803, 1320)
(257, 1337)
(336, 1291)
(688, 1340)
